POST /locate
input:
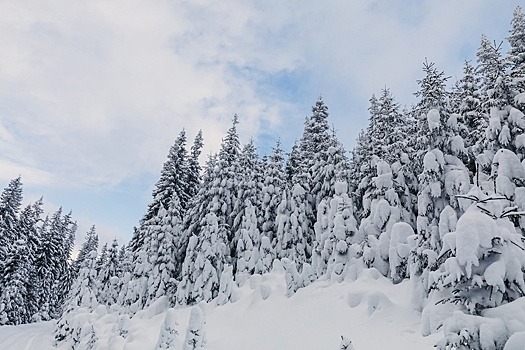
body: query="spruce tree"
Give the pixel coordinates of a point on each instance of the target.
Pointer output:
(516, 54)
(360, 169)
(172, 180)
(28, 231)
(218, 193)
(44, 269)
(313, 152)
(273, 186)
(442, 174)
(55, 255)
(336, 232)
(212, 220)
(468, 106)
(156, 243)
(205, 257)
(164, 261)
(102, 258)
(90, 243)
(194, 168)
(249, 191)
(504, 126)
(248, 242)
(83, 298)
(108, 277)
(293, 226)
(293, 162)
(14, 308)
(10, 202)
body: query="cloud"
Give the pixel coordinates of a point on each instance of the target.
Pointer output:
(92, 94)
(97, 91)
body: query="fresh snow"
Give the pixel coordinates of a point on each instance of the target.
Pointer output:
(368, 310)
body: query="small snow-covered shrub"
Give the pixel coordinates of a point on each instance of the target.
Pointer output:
(469, 332)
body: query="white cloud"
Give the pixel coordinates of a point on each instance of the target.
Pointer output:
(94, 93)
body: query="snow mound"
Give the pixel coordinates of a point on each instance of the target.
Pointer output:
(263, 317)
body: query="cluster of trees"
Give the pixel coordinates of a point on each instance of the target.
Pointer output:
(433, 192)
(34, 259)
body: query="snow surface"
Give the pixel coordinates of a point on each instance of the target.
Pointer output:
(366, 308)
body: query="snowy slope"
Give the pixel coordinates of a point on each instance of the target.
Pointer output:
(370, 310)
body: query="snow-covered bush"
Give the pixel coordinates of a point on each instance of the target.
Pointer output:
(471, 332)
(168, 337)
(226, 286)
(195, 339)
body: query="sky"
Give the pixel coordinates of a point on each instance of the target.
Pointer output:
(93, 93)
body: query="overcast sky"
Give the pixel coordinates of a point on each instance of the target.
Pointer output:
(93, 93)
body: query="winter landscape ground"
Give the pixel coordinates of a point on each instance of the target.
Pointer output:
(370, 311)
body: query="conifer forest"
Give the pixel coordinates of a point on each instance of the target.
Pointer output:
(432, 196)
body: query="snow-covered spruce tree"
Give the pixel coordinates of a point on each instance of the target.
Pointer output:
(266, 256)
(484, 258)
(28, 230)
(249, 195)
(516, 57)
(360, 170)
(321, 160)
(466, 103)
(248, 243)
(14, 308)
(386, 129)
(56, 254)
(156, 243)
(164, 260)
(506, 124)
(90, 243)
(384, 138)
(322, 156)
(10, 202)
(172, 180)
(295, 279)
(194, 168)
(311, 153)
(44, 272)
(205, 257)
(220, 186)
(336, 168)
(385, 197)
(491, 68)
(383, 205)
(442, 174)
(200, 205)
(108, 276)
(82, 299)
(293, 225)
(212, 215)
(507, 178)
(336, 231)
(273, 186)
(293, 163)
(102, 258)
(399, 251)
